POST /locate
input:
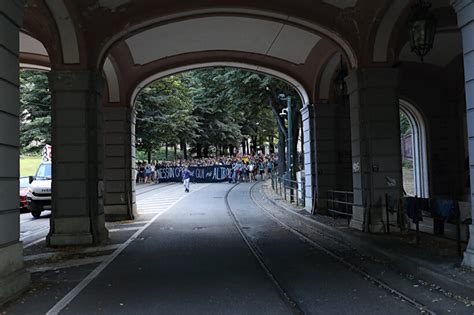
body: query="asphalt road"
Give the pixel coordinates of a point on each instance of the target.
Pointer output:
(192, 260)
(188, 256)
(34, 230)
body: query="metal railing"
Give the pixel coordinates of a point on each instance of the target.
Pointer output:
(291, 190)
(340, 203)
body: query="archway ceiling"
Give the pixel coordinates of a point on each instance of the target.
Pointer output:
(294, 37)
(31, 45)
(33, 54)
(131, 73)
(85, 30)
(115, 4)
(99, 24)
(223, 33)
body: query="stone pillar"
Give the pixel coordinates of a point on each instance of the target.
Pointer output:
(119, 163)
(13, 276)
(333, 151)
(375, 133)
(465, 11)
(307, 118)
(77, 138)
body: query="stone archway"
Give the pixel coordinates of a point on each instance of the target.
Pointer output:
(306, 111)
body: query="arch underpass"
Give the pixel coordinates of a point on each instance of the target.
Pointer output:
(281, 48)
(349, 60)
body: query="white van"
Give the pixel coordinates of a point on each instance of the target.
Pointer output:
(39, 191)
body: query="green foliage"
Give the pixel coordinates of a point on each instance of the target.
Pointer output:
(211, 107)
(405, 127)
(164, 114)
(214, 109)
(35, 111)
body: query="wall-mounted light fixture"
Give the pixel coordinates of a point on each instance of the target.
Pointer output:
(422, 29)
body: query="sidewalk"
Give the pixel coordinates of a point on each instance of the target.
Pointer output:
(435, 260)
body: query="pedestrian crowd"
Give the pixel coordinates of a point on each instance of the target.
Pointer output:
(246, 168)
(249, 168)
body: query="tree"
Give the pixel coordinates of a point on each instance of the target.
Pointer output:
(35, 111)
(164, 115)
(213, 110)
(228, 105)
(260, 93)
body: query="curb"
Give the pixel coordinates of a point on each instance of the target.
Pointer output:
(404, 264)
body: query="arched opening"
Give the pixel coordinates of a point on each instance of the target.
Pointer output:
(239, 65)
(35, 167)
(304, 158)
(414, 151)
(262, 136)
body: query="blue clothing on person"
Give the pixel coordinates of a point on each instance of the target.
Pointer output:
(186, 174)
(443, 208)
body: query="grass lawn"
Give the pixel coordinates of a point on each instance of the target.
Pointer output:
(29, 165)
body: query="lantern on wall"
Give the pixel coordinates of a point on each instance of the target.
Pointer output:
(422, 29)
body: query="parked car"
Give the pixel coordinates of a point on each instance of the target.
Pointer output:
(24, 183)
(39, 190)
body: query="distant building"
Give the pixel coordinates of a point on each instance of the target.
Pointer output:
(407, 147)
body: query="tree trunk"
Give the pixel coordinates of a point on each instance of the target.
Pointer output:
(206, 151)
(243, 147)
(281, 153)
(272, 144)
(254, 145)
(183, 148)
(149, 156)
(199, 151)
(166, 152)
(272, 101)
(175, 151)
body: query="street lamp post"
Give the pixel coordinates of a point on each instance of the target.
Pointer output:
(290, 138)
(289, 141)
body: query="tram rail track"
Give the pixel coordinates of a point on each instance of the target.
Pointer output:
(391, 290)
(259, 256)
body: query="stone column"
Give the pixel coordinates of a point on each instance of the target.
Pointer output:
(119, 163)
(77, 138)
(332, 150)
(309, 155)
(13, 276)
(375, 133)
(465, 11)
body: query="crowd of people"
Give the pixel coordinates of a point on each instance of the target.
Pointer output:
(246, 168)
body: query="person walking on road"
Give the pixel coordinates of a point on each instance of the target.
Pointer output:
(261, 168)
(186, 178)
